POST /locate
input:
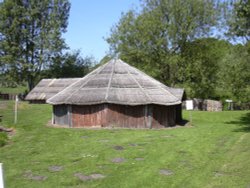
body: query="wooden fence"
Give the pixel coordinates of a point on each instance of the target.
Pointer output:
(8, 96)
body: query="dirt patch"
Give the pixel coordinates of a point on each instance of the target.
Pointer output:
(182, 152)
(218, 174)
(167, 136)
(103, 141)
(3, 105)
(84, 137)
(118, 160)
(133, 144)
(89, 177)
(55, 168)
(166, 172)
(118, 148)
(31, 176)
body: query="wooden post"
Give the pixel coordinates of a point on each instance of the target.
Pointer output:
(53, 118)
(1, 176)
(149, 116)
(16, 106)
(146, 116)
(70, 115)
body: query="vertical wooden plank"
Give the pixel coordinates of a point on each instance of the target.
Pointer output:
(53, 118)
(69, 115)
(150, 116)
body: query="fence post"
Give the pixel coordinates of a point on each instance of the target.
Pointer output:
(16, 105)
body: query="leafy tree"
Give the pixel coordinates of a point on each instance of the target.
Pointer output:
(69, 65)
(30, 35)
(235, 74)
(153, 38)
(204, 57)
(240, 21)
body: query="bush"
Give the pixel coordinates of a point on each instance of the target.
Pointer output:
(3, 139)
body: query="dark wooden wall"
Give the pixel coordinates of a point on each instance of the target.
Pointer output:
(37, 101)
(125, 116)
(112, 115)
(7, 96)
(88, 115)
(178, 113)
(163, 116)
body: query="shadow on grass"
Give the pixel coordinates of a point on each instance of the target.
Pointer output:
(183, 122)
(243, 122)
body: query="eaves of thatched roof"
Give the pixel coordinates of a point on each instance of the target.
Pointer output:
(47, 88)
(116, 82)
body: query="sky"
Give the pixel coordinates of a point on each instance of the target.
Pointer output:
(90, 22)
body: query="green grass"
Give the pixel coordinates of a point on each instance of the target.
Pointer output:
(213, 153)
(19, 89)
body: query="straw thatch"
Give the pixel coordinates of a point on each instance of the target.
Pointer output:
(47, 88)
(116, 82)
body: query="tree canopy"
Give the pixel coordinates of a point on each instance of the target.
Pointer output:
(179, 43)
(31, 35)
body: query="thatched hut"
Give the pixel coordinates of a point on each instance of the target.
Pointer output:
(116, 95)
(47, 88)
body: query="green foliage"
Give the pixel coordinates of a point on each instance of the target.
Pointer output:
(235, 74)
(213, 153)
(3, 139)
(69, 65)
(202, 60)
(240, 21)
(30, 35)
(174, 42)
(153, 38)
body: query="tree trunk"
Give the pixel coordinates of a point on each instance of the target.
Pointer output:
(30, 82)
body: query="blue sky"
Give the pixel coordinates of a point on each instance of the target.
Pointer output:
(90, 22)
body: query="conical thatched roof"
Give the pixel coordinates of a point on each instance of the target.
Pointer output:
(116, 82)
(47, 88)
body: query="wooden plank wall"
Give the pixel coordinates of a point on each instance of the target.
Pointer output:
(178, 113)
(37, 101)
(112, 115)
(163, 116)
(126, 116)
(88, 115)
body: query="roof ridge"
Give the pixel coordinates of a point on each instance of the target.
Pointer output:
(143, 91)
(85, 77)
(83, 91)
(110, 80)
(154, 80)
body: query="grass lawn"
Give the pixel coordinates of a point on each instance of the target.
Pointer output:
(215, 152)
(19, 89)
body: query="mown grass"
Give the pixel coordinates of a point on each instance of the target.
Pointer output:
(213, 153)
(14, 90)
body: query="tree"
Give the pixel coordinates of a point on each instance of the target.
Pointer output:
(204, 57)
(235, 74)
(30, 35)
(69, 65)
(239, 24)
(153, 39)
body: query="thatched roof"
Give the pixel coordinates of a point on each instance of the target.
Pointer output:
(47, 88)
(178, 92)
(116, 82)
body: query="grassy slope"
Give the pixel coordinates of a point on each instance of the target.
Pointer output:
(213, 153)
(20, 89)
